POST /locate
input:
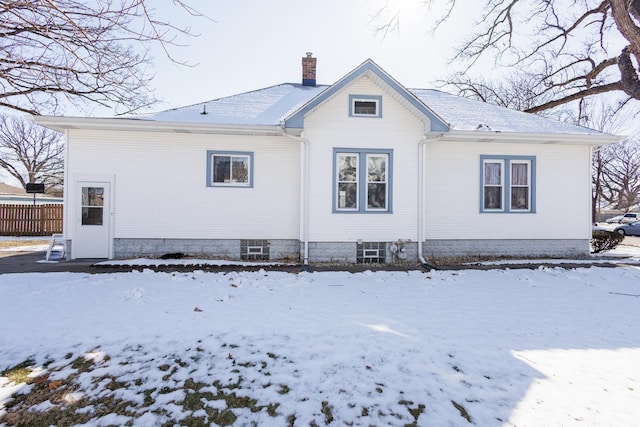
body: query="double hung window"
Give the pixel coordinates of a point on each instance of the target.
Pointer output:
(507, 184)
(362, 180)
(229, 169)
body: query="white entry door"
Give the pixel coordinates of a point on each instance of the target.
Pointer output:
(92, 228)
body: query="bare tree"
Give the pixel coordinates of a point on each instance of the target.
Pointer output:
(31, 153)
(80, 51)
(516, 90)
(620, 174)
(615, 168)
(575, 49)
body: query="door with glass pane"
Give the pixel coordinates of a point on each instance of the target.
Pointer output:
(92, 228)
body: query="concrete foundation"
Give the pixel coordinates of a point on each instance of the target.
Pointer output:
(524, 248)
(347, 252)
(206, 248)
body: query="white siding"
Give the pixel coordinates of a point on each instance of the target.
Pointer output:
(161, 192)
(330, 127)
(159, 182)
(453, 193)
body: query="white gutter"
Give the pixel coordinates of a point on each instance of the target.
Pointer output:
(304, 195)
(422, 145)
(61, 124)
(531, 138)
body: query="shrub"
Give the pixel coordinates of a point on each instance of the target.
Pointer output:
(603, 240)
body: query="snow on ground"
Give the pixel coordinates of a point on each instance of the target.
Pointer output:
(156, 262)
(544, 347)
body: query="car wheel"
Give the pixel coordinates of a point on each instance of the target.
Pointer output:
(621, 232)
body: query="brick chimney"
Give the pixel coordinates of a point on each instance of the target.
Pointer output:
(308, 70)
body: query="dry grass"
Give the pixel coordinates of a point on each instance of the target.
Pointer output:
(5, 244)
(88, 391)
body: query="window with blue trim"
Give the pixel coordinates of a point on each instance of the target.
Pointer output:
(507, 183)
(362, 180)
(365, 106)
(229, 169)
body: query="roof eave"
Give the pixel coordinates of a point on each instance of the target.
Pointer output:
(531, 138)
(123, 124)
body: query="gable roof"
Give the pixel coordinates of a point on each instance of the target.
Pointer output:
(373, 71)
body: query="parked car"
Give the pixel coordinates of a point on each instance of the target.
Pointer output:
(615, 220)
(632, 229)
(624, 219)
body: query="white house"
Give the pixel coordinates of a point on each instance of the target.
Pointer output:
(363, 170)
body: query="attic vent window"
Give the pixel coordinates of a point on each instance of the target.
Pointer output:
(365, 106)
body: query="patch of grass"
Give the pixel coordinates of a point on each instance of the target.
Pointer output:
(165, 390)
(284, 389)
(194, 385)
(20, 373)
(272, 409)
(148, 400)
(234, 401)
(327, 411)
(222, 418)
(415, 412)
(463, 411)
(168, 375)
(193, 402)
(231, 392)
(82, 364)
(190, 421)
(65, 411)
(115, 385)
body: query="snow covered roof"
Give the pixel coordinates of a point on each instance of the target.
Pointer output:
(265, 111)
(466, 114)
(271, 105)
(268, 106)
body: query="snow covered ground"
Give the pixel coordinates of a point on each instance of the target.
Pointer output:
(544, 347)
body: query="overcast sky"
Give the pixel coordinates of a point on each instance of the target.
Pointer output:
(251, 44)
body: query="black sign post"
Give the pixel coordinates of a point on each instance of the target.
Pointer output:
(35, 188)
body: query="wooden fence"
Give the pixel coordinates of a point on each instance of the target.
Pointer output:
(29, 220)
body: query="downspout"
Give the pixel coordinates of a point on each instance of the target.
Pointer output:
(304, 192)
(65, 198)
(422, 145)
